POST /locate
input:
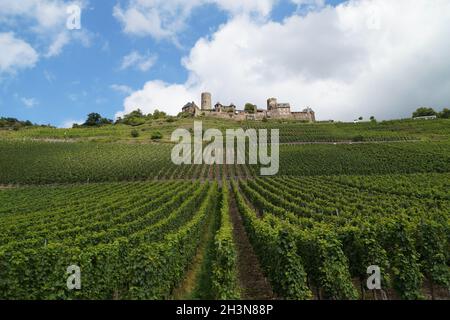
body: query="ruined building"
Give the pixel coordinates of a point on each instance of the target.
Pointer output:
(274, 110)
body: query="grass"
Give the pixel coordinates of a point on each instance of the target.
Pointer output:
(291, 131)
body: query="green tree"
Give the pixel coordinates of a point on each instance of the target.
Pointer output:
(424, 112)
(445, 114)
(159, 114)
(250, 108)
(95, 119)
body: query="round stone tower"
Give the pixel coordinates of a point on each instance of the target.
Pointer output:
(206, 101)
(272, 103)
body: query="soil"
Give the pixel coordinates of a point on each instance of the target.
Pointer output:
(254, 286)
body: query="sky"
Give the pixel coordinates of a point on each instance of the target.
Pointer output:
(345, 59)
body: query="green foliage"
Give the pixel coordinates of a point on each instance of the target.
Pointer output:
(445, 113)
(277, 252)
(158, 114)
(250, 108)
(134, 133)
(14, 123)
(424, 112)
(344, 224)
(95, 119)
(432, 244)
(139, 252)
(358, 139)
(156, 135)
(224, 272)
(134, 118)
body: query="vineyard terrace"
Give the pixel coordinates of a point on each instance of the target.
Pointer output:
(215, 153)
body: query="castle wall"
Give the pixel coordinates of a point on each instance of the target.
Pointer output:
(274, 110)
(304, 116)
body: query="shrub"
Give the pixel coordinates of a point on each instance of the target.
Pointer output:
(157, 135)
(134, 133)
(358, 138)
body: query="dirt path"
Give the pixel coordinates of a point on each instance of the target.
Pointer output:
(197, 281)
(345, 142)
(253, 284)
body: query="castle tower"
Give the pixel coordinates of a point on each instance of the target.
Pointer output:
(206, 101)
(272, 104)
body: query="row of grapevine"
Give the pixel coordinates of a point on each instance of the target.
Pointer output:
(48, 163)
(364, 159)
(137, 247)
(224, 271)
(341, 230)
(292, 132)
(276, 250)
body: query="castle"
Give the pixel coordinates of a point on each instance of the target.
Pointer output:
(274, 110)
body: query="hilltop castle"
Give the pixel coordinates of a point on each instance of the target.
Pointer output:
(274, 110)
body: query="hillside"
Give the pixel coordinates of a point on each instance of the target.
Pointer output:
(290, 131)
(346, 197)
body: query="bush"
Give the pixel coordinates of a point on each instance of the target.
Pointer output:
(358, 138)
(157, 135)
(424, 112)
(134, 133)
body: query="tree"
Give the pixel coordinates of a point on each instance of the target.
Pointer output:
(134, 118)
(135, 133)
(424, 112)
(159, 114)
(372, 118)
(360, 118)
(445, 113)
(95, 119)
(250, 108)
(135, 114)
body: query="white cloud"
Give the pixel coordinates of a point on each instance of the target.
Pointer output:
(142, 62)
(44, 21)
(60, 41)
(29, 102)
(121, 88)
(311, 3)
(15, 54)
(158, 95)
(334, 59)
(165, 19)
(49, 76)
(69, 123)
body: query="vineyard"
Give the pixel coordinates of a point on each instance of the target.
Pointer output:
(290, 131)
(140, 227)
(37, 162)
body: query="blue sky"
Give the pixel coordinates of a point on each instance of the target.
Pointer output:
(105, 66)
